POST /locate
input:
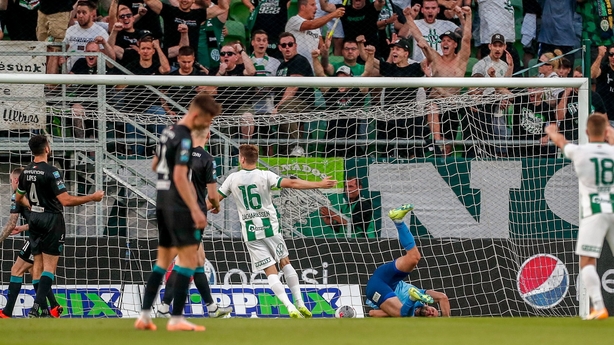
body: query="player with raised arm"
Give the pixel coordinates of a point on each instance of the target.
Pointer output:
(42, 189)
(594, 165)
(24, 260)
(205, 182)
(178, 213)
(251, 188)
(388, 294)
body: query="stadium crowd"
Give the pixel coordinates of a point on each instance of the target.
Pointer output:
(333, 38)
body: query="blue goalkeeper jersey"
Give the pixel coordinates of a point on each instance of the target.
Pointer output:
(402, 292)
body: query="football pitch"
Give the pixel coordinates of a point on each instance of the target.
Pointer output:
(458, 331)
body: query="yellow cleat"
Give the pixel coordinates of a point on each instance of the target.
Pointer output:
(305, 312)
(416, 295)
(398, 213)
(295, 314)
(598, 315)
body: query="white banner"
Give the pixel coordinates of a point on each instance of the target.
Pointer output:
(83, 301)
(22, 106)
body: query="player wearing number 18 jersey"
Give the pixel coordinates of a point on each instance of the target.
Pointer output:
(43, 187)
(251, 188)
(594, 165)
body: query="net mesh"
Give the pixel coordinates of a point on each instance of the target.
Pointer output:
(489, 194)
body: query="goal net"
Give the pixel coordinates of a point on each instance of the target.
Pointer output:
(496, 206)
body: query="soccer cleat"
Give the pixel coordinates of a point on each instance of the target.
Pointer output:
(398, 213)
(416, 295)
(601, 314)
(35, 312)
(305, 312)
(295, 314)
(184, 325)
(56, 311)
(163, 311)
(45, 313)
(220, 312)
(146, 325)
(4, 316)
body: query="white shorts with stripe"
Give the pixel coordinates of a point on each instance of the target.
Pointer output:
(267, 251)
(592, 233)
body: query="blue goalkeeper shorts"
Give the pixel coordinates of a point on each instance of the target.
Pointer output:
(382, 284)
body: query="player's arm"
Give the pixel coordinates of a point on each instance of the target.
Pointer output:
(378, 313)
(557, 138)
(9, 226)
(442, 299)
(302, 184)
(213, 197)
(154, 163)
(73, 200)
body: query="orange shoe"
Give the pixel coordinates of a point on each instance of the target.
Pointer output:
(146, 325)
(598, 315)
(184, 325)
(56, 311)
(3, 316)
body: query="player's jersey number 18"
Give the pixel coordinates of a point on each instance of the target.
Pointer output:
(604, 171)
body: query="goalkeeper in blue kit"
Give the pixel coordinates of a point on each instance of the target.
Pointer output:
(388, 294)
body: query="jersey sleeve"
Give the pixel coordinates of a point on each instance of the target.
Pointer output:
(224, 190)
(273, 180)
(21, 185)
(15, 207)
(183, 154)
(209, 174)
(570, 150)
(58, 185)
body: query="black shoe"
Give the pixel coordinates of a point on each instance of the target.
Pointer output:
(45, 313)
(35, 311)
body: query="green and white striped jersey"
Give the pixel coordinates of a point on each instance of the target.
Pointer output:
(251, 190)
(594, 165)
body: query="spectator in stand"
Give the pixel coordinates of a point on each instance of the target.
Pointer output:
(270, 17)
(391, 20)
(20, 18)
(350, 55)
(399, 66)
(183, 13)
(293, 99)
(532, 115)
(497, 17)
(147, 20)
(53, 18)
(565, 67)
(342, 99)
(430, 27)
(604, 73)
(547, 69)
(87, 65)
(306, 28)
(360, 18)
(356, 208)
(532, 11)
(140, 99)
(567, 109)
(78, 35)
(557, 26)
(211, 37)
(123, 34)
(183, 95)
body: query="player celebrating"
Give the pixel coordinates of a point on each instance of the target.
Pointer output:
(205, 181)
(388, 294)
(251, 188)
(24, 260)
(42, 189)
(594, 165)
(178, 212)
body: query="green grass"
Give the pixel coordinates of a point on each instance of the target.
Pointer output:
(457, 331)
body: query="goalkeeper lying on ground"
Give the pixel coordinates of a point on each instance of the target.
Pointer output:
(388, 294)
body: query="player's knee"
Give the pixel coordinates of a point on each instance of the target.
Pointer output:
(283, 262)
(408, 262)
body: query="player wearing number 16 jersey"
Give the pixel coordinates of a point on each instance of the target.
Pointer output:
(41, 187)
(251, 188)
(594, 165)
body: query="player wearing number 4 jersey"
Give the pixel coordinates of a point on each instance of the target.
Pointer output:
(594, 165)
(24, 260)
(251, 188)
(42, 189)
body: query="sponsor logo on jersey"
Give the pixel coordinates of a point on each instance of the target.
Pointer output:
(543, 281)
(56, 174)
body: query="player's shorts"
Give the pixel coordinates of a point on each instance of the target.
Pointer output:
(25, 253)
(383, 282)
(266, 252)
(176, 229)
(593, 230)
(47, 231)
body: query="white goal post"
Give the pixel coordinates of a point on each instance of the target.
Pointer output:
(482, 220)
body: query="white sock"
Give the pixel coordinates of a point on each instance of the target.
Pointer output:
(279, 290)
(292, 280)
(591, 281)
(145, 314)
(212, 307)
(175, 319)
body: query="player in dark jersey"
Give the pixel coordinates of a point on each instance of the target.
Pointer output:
(178, 213)
(205, 182)
(24, 260)
(42, 189)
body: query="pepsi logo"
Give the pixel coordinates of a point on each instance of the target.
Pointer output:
(543, 281)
